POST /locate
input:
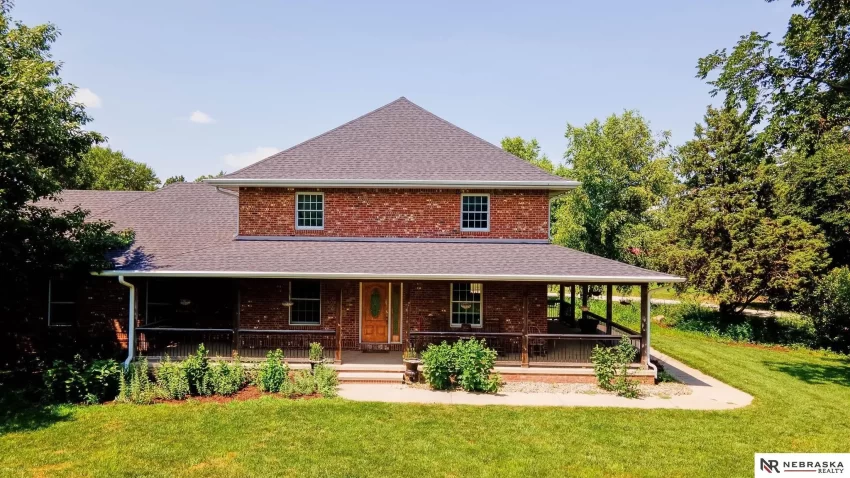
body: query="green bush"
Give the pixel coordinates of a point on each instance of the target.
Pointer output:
(611, 366)
(317, 352)
(79, 381)
(172, 380)
(473, 362)
(136, 386)
(829, 307)
(467, 363)
(303, 383)
(326, 381)
(199, 373)
(228, 378)
(438, 365)
(273, 373)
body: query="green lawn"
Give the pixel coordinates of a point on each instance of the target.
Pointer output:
(801, 404)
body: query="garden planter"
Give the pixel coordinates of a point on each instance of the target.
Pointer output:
(411, 369)
(313, 364)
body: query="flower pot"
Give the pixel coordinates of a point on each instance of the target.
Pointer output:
(411, 369)
(313, 364)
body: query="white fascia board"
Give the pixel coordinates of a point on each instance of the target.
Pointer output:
(372, 276)
(563, 185)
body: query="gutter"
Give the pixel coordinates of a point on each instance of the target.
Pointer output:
(131, 328)
(563, 185)
(370, 276)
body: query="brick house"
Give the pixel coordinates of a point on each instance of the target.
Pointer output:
(395, 229)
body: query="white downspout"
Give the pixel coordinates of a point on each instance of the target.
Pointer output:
(131, 329)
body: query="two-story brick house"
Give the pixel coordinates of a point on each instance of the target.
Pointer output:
(397, 228)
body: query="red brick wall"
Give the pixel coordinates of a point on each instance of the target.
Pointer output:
(427, 307)
(394, 213)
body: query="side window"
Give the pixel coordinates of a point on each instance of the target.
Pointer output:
(305, 296)
(161, 301)
(466, 303)
(475, 212)
(310, 211)
(62, 303)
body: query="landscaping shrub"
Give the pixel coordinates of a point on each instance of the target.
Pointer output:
(439, 365)
(303, 383)
(326, 381)
(136, 386)
(79, 381)
(228, 378)
(172, 380)
(611, 366)
(468, 363)
(829, 307)
(273, 373)
(199, 373)
(473, 362)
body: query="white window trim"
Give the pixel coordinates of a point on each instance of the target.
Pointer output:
(50, 303)
(302, 324)
(489, 209)
(311, 228)
(452, 302)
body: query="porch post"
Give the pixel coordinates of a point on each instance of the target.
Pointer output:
(584, 294)
(644, 325)
(338, 352)
(561, 311)
(573, 301)
(525, 329)
(609, 308)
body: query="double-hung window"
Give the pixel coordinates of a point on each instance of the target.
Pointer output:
(466, 303)
(62, 303)
(305, 296)
(475, 212)
(309, 211)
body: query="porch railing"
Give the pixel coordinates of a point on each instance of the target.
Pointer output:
(508, 345)
(570, 349)
(295, 344)
(178, 343)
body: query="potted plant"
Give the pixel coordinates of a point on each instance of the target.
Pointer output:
(316, 355)
(411, 364)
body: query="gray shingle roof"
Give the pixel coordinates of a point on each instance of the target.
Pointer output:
(93, 201)
(399, 141)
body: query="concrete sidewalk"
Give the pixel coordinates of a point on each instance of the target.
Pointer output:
(708, 394)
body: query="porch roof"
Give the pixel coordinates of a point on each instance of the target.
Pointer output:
(413, 260)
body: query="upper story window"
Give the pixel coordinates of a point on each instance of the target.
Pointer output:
(62, 303)
(466, 303)
(306, 299)
(310, 211)
(475, 212)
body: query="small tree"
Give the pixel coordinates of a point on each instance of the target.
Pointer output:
(106, 169)
(829, 307)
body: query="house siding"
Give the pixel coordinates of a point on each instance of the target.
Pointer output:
(394, 213)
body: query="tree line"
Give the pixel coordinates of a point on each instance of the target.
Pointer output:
(756, 206)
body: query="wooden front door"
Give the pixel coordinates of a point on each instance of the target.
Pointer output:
(374, 307)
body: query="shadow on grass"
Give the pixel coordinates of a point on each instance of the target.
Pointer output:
(19, 414)
(816, 373)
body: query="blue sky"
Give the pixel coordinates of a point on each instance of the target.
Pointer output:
(260, 76)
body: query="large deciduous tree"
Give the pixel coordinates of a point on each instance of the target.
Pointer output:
(42, 142)
(625, 176)
(529, 151)
(103, 168)
(727, 231)
(798, 92)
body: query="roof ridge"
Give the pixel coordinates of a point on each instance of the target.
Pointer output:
(402, 98)
(473, 135)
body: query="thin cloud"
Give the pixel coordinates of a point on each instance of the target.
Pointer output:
(87, 98)
(240, 160)
(201, 117)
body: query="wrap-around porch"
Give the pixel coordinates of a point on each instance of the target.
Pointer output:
(529, 324)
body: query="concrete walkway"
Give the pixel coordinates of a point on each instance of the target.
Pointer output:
(708, 394)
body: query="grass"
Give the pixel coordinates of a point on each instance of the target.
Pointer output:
(800, 405)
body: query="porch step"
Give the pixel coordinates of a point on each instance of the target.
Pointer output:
(370, 377)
